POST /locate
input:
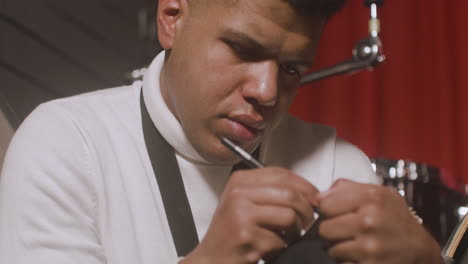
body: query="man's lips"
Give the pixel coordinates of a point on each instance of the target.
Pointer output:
(245, 127)
(249, 121)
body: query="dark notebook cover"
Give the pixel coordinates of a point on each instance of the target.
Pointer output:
(310, 249)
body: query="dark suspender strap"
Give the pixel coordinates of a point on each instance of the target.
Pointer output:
(171, 186)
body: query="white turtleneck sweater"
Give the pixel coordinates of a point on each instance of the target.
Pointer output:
(78, 187)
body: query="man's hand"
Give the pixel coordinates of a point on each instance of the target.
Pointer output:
(372, 224)
(259, 212)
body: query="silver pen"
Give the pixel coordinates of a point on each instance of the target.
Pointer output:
(244, 155)
(249, 160)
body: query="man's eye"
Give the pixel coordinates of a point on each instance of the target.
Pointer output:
(290, 70)
(244, 53)
(238, 49)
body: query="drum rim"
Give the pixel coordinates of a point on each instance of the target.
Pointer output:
(451, 247)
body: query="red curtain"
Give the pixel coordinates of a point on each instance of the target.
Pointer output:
(410, 107)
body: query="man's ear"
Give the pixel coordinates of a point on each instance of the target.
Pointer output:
(170, 14)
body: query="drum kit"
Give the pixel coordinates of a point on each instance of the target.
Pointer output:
(441, 208)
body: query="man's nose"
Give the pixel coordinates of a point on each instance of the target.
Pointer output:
(262, 83)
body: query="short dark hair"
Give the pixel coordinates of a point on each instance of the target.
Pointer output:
(325, 8)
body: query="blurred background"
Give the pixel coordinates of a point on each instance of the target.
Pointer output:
(408, 114)
(412, 106)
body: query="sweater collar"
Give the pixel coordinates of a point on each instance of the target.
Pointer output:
(162, 117)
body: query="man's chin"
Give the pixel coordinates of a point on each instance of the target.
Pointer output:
(222, 159)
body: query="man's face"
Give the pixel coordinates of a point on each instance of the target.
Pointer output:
(233, 69)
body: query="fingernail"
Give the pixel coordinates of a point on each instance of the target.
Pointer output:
(317, 214)
(303, 231)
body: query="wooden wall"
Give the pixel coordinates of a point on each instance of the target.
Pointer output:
(6, 132)
(58, 48)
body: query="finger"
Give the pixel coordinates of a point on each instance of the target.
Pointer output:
(345, 252)
(270, 245)
(340, 228)
(346, 196)
(279, 176)
(356, 250)
(280, 197)
(284, 221)
(287, 179)
(258, 243)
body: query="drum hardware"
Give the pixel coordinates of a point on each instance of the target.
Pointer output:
(462, 211)
(367, 53)
(439, 206)
(456, 249)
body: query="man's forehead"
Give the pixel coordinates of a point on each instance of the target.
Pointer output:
(203, 4)
(300, 6)
(279, 12)
(234, 3)
(214, 2)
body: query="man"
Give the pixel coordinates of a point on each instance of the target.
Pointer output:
(78, 185)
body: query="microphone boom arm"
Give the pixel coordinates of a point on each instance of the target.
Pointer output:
(367, 53)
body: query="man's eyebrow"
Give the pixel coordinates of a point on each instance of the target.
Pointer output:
(251, 43)
(244, 38)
